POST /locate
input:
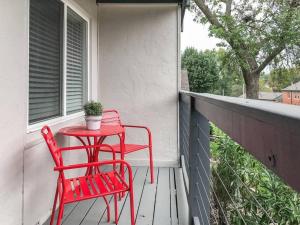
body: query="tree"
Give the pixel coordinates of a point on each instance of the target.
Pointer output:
(264, 84)
(202, 69)
(281, 78)
(230, 81)
(255, 31)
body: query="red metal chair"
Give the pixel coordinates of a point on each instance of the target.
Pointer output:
(113, 117)
(91, 186)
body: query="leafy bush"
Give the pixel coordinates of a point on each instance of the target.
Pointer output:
(202, 69)
(253, 194)
(93, 108)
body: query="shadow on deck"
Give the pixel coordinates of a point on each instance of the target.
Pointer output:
(162, 203)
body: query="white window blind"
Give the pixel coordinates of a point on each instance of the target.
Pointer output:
(76, 62)
(57, 85)
(45, 60)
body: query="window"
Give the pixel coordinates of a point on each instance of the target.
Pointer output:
(58, 65)
(76, 62)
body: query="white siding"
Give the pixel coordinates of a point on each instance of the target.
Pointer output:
(138, 72)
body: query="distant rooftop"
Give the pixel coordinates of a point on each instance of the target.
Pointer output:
(268, 96)
(293, 87)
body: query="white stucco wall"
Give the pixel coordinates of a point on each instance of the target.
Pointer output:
(13, 72)
(26, 165)
(139, 70)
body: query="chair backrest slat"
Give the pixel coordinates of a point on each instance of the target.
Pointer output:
(111, 117)
(52, 145)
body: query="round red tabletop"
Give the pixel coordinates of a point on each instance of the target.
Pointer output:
(82, 131)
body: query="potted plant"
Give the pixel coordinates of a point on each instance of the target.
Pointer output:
(93, 115)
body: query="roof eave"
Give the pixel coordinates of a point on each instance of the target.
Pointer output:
(183, 3)
(140, 1)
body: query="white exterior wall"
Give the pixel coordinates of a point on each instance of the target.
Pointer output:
(13, 77)
(26, 164)
(139, 70)
(138, 76)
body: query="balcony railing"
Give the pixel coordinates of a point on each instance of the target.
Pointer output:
(268, 131)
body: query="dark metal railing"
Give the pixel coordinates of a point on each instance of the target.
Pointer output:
(269, 131)
(194, 146)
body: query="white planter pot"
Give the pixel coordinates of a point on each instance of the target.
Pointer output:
(93, 122)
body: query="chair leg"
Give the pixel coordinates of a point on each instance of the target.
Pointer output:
(107, 208)
(60, 213)
(116, 208)
(131, 206)
(54, 207)
(151, 165)
(122, 173)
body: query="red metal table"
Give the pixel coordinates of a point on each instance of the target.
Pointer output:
(93, 137)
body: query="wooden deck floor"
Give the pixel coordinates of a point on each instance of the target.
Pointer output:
(155, 204)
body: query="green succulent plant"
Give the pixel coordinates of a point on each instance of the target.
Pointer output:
(93, 108)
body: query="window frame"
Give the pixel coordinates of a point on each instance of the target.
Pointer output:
(64, 117)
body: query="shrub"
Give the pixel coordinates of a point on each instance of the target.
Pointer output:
(93, 108)
(256, 194)
(202, 69)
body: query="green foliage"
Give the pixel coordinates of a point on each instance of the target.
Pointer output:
(202, 69)
(213, 72)
(281, 78)
(230, 82)
(257, 193)
(93, 108)
(257, 32)
(264, 86)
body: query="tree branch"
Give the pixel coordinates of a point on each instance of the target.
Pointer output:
(228, 7)
(212, 17)
(269, 58)
(293, 4)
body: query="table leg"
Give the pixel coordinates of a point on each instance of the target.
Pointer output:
(88, 152)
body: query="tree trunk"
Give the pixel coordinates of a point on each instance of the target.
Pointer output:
(252, 85)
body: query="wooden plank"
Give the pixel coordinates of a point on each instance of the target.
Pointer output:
(96, 212)
(68, 209)
(79, 212)
(138, 186)
(162, 201)
(121, 203)
(183, 208)
(185, 173)
(146, 206)
(173, 205)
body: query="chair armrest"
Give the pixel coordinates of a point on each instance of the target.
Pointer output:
(85, 165)
(141, 127)
(82, 147)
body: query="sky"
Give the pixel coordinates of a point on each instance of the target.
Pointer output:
(195, 35)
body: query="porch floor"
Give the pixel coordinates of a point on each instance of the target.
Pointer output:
(155, 204)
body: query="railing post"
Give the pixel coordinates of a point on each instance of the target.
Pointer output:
(199, 165)
(184, 132)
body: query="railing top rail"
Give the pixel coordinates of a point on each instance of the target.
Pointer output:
(271, 112)
(270, 131)
(286, 110)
